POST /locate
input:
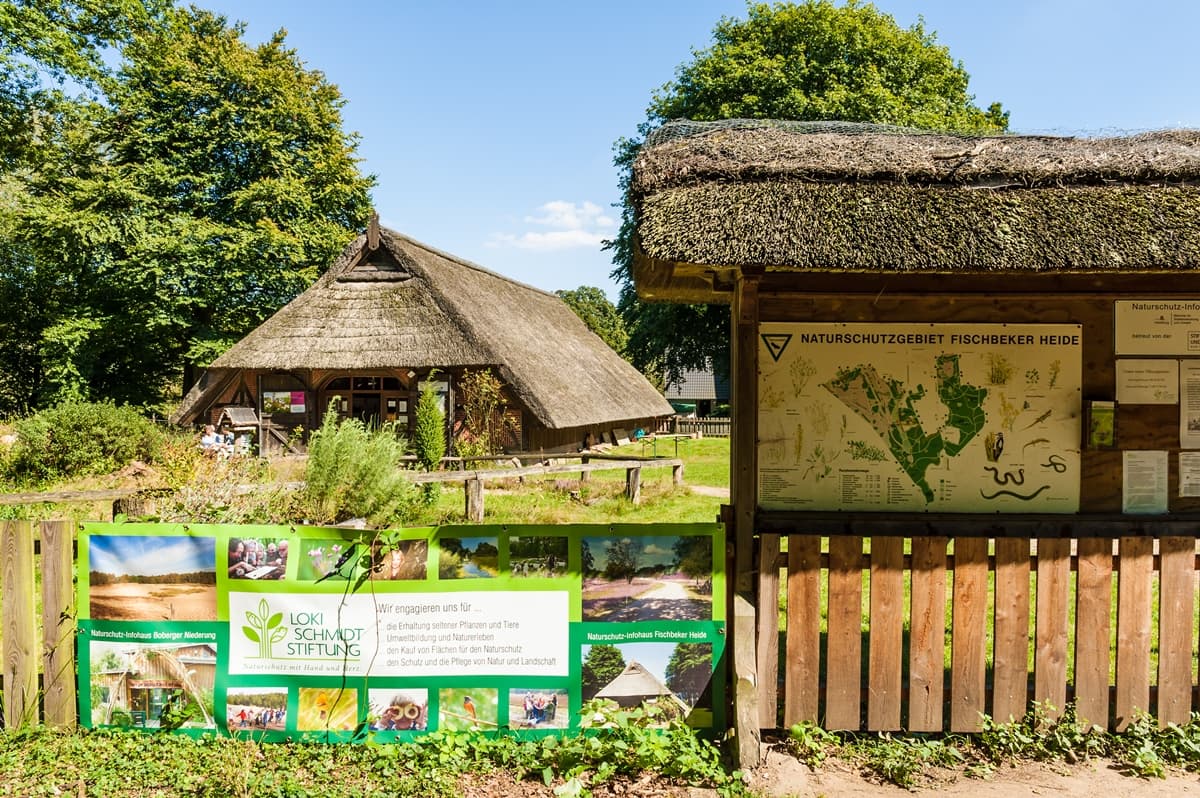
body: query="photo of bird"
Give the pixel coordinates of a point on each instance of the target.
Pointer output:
(469, 707)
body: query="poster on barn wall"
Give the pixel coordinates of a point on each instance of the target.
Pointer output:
(333, 634)
(977, 418)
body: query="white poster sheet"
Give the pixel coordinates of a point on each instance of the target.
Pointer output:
(1144, 482)
(1189, 474)
(1148, 382)
(1157, 327)
(1189, 404)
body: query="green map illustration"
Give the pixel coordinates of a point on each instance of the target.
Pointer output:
(889, 407)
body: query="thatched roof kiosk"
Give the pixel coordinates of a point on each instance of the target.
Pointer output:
(934, 337)
(392, 310)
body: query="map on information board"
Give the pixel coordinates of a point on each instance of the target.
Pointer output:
(919, 417)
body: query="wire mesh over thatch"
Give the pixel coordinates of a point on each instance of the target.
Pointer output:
(838, 196)
(406, 306)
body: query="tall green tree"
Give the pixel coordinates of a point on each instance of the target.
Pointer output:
(689, 669)
(206, 187)
(813, 60)
(600, 315)
(601, 665)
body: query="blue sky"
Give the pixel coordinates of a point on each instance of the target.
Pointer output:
(151, 556)
(490, 125)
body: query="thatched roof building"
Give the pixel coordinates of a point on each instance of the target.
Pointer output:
(390, 311)
(833, 197)
(636, 685)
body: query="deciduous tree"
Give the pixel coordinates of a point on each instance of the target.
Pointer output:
(812, 60)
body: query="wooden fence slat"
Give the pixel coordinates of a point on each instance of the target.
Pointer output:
(1176, 597)
(802, 676)
(768, 630)
(927, 636)
(20, 648)
(1093, 630)
(1052, 625)
(843, 681)
(886, 639)
(967, 652)
(1010, 677)
(58, 623)
(1133, 628)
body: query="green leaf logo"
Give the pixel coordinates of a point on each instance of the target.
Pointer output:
(264, 628)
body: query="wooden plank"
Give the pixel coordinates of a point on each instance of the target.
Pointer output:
(927, 638)
(20, 646)
(885, 651)
(802, 674)
(745, 692)
(1176, 597)
(768, 631)
(58, 623)
(1010, 673)
(967, 652)
(474, 500)
(1093, 629)
(1051, 626)
(1134, 576)
(843, 680)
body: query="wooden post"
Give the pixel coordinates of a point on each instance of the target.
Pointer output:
(633, 484)
(474, 492)
(58, 625)
(745, 690)
(583, 475)
(20, 648)
(743, 483)
(768, 632)
(677, 475)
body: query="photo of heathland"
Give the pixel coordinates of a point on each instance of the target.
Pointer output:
(647, 578)
(136, 578)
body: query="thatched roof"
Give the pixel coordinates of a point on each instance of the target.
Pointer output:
(842, 197)
(634, 682)
(407, 305)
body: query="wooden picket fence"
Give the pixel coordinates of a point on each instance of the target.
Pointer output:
(38, 643)
(894, 662)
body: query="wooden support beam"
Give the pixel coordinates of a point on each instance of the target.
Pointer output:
(58, 624)
(745, 690)
(20, 649)
(474, 494)
(768, 631)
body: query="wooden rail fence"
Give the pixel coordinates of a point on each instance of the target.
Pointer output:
(473, 480)
(30, 638)
(867, 644)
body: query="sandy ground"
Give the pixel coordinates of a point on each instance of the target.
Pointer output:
(133, 602)
(782, 776)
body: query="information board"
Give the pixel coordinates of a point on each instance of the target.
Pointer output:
(286, 632)
(977, 418)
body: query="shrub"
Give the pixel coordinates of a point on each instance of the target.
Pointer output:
(78, 439)
(355, 472)
(429, 436)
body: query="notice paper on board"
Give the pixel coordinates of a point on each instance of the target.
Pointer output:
(1144, 482)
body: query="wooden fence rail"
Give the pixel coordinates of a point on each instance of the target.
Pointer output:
(473, 480)
(1019, 629)
(29, 640)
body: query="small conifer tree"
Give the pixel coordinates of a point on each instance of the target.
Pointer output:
(429, 434)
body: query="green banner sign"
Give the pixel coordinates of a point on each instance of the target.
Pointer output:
(334, 634)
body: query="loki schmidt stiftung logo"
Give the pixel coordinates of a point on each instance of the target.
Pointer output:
(265, 628)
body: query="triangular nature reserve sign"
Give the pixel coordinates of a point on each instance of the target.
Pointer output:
(776, 343)
(285, 632)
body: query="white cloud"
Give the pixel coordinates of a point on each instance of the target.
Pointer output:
(561, 225)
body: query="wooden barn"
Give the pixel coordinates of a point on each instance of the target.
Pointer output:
(980, 357)
(391, 312)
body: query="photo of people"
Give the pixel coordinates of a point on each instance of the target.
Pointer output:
(468, 558)
(405, 559)
(537, 556)
(251, 558)
(137, 578)
(152, 686)
(538, 708)
(461, 709)
(249, 709)
(327, 709)
(671, 677)
(647, 578)
(398, 709)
